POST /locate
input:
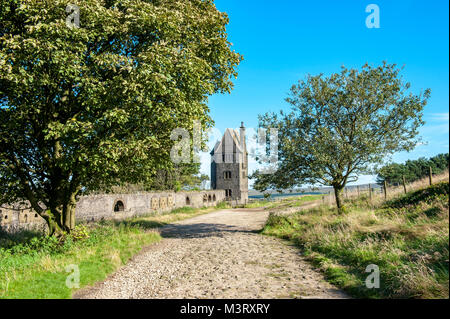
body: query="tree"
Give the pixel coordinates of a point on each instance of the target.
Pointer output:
(340, 125)
(412, 170)
(89, 107)
(180, 176)
(175, 177)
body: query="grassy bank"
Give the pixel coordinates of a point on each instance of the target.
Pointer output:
(285, 202)
(406, 237)
(34, 266)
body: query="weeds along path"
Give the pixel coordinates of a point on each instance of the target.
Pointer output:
(218, 255)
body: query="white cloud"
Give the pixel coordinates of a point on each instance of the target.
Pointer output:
(441, 117)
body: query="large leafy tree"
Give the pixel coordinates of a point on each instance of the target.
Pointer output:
(342, 124)
(88, 107)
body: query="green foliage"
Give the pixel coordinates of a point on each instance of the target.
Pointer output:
(178, 177)
(340, 125)
(88, 108)
(412, 170)
(223, 205)
(184, 210)
(80, 232)
(407, 238)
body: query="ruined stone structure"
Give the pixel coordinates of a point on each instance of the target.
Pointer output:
(229, 166)
(112, 206)
(229, 181)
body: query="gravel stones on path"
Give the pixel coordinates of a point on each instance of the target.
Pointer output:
(217, 255)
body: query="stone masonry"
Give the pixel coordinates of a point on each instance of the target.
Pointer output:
(229, 166)
(112, 206)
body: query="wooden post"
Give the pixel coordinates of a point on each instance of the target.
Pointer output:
(385, 189)
(431, 176)
(404, 183)
(370, 192)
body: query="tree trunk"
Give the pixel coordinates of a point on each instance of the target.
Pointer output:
(69, 214)
(61, 219)
(339, 201)
(54, 228)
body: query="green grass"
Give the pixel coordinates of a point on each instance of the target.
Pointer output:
(285, 202)
(407, 238)
(34, 266)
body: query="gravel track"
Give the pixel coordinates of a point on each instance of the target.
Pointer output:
(217, 255)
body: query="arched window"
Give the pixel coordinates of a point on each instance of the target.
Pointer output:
(209, 198)
(205, 198)
(227, 175)
(188, 200)
(119, 206)
(214, 197)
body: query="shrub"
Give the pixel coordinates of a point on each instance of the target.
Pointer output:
(80, 232)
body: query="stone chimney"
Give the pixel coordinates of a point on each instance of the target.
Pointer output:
(242, 137)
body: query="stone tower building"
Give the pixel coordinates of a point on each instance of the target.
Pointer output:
(229, 165)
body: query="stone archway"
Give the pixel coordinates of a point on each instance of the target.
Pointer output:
(119, 206)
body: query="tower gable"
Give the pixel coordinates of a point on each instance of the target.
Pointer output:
(229, 165)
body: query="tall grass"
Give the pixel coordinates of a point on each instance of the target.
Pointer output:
(406, 237)
(34, 266)
(294, 201)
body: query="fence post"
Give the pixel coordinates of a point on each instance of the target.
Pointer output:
(431, 176)
(385, 189)
(404, 183)
(370, 192)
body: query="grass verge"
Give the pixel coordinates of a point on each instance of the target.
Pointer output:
(35, 266)
(285, 202)
(406, 237)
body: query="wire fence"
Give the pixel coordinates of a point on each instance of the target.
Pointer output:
(377, 193)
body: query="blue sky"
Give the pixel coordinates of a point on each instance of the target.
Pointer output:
(282, 41)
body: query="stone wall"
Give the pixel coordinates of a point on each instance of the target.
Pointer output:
(112, 206)
(20, 217)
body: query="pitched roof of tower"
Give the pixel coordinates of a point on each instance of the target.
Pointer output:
(234, 135)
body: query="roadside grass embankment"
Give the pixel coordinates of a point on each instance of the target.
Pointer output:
(285, 202)
(407, 237)
(37, 266)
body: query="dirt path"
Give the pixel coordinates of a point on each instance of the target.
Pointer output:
(218, 255)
